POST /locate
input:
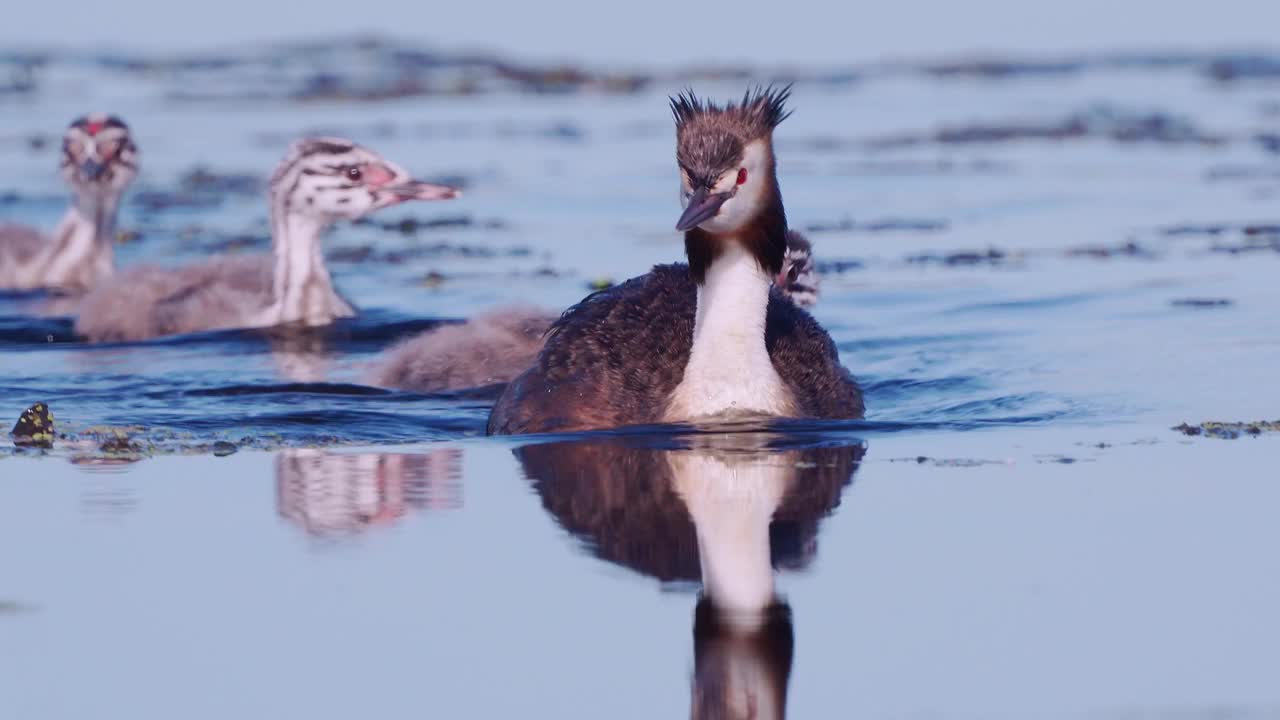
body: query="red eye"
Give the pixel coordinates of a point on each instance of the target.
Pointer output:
(742, 176)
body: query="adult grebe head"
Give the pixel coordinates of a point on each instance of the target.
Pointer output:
(728, 182)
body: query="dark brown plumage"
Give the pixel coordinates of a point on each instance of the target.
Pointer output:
(621, 356)
(496, 346)
(762, 109)
(614, 357)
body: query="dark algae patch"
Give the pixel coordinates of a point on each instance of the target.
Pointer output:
(118, 444)
(948, 462)
(12, 607)
(1202, 302)
(1229, 430)
(34, 428)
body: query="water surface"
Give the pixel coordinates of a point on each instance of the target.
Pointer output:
(1036, 270)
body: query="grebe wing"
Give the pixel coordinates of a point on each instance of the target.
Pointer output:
(611, 360)
(19, 246)
(150, 301)
(615, 358)
(491, 348)
(806, 358)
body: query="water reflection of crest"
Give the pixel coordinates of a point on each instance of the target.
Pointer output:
(341, 493)
(737, 673)
(724, 511)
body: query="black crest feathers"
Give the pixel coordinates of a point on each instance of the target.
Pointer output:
(761, 109)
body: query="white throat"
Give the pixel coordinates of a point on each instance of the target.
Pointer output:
(302, 290)
(729, 369)
(80, 254)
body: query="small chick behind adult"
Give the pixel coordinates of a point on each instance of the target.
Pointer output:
(496, 346)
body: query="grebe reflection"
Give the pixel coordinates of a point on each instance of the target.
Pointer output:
(724, 513)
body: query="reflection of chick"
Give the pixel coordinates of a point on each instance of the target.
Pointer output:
(335, 493)
(301, 356)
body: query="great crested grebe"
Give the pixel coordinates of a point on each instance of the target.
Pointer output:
(707, 339)
(320, 181)
(99, 160)
(496, 346)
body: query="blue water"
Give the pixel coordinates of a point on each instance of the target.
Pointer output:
(1035, 270)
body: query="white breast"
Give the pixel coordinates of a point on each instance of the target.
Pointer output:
(729, 369)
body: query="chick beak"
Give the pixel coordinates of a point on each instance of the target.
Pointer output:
(418, 190)
(92, 169)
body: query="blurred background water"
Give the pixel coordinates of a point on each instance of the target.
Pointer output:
(1045, 234)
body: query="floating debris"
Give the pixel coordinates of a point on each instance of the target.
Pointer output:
(1216, 229)
(1059, 459)
(34, 428)
(1228, 430)
(203, 180)
(433, 279)
(1231, 238)
(1104, 121)
(223, 244)
(370, 253)
(1233, 68)
(1202, 302)
(1259, 243)
(903, 167)
(12, 607)
(159, 200)
(948, 462)
(1270, 142)
(1004, 68)
(1244, 172)
(120, 444)
(1129, 249)
(992, 256)
(413, 225)
(879, 226)
(838, 267)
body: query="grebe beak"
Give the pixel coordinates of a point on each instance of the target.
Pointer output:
(703, 205)
(418, 190)
(408, 190)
